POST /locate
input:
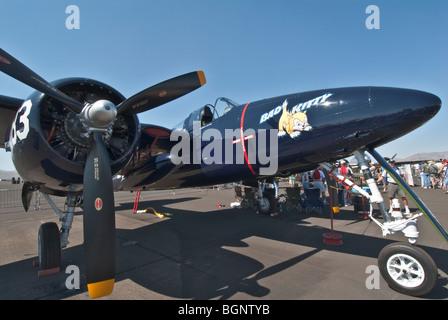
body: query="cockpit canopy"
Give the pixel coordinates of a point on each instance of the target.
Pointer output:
(207, 113)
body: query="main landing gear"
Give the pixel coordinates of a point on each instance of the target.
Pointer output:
(265, 201)
(405, 267)
(49, 247)
(51, 240)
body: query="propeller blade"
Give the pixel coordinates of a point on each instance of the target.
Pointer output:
(14, 68)
(99, 220)
(163, 92)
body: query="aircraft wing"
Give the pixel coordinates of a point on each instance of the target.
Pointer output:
(8, 110)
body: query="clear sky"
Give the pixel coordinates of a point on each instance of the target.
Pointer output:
(248, 49)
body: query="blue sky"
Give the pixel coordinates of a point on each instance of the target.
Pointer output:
(248, 49)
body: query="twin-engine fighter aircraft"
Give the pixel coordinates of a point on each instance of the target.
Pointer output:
(81, 139)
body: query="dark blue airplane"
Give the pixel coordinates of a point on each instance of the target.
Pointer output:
(81, 139)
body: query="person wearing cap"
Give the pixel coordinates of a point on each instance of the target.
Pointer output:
(394, 190)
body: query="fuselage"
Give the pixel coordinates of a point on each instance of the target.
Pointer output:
(283, 135)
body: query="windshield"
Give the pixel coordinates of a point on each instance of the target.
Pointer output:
(207, 113)
(224, 105)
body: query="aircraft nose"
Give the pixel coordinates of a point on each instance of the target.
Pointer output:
(399, 111)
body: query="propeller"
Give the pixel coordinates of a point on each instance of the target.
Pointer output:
(99, 220)
(14, 68)
(98, 118)
(163, 92)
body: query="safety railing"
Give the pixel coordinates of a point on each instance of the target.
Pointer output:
(12, 198)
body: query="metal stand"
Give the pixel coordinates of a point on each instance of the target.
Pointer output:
(332, 238)
(136, 200)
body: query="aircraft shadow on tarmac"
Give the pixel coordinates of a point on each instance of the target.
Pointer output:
(185, 256)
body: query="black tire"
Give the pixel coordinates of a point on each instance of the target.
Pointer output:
(49, 243)
(408, 269)
(267, 204)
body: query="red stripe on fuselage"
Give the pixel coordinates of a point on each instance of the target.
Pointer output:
(242, 140)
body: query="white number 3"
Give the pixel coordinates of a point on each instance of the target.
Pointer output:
(22, 133)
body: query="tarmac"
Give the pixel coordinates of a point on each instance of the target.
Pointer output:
(207, 252)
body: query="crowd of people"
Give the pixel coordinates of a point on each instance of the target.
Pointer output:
(432, 175)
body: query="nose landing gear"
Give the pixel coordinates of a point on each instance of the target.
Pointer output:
(405, 267)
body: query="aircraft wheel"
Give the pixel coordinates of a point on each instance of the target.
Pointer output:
(408, 269)
(266, 204)
(49, 245)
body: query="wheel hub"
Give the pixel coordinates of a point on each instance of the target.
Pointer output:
(406, 270)
(264, 204)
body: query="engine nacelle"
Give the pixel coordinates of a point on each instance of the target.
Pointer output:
(50, 145)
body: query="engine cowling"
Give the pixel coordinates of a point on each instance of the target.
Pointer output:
(50, 145)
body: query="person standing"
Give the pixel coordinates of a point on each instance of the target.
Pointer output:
(292, 180)
(426, 178)
(394, 190)
(346, 171)
(305, 180)
(443, 174)
(319, 182)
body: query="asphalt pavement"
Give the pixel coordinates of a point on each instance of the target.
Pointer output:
(202, 251)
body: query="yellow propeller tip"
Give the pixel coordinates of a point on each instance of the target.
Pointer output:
(201, 76)
(101, 289)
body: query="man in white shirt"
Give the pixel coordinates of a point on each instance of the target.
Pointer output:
(305, 180)
(319, 181)
(393, 189)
